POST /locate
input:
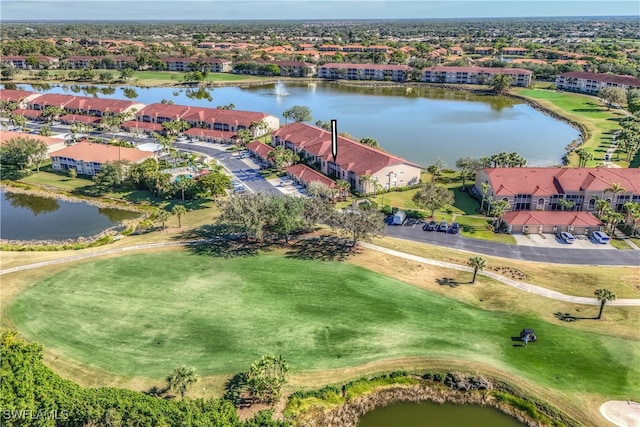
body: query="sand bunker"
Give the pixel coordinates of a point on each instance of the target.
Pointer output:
(622, 413)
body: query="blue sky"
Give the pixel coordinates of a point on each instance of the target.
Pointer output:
(57, 10)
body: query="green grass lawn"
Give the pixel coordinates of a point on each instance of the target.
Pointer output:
(140, 315)
(600, 122)
(57, 179)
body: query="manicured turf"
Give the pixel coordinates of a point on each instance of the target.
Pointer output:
(143, 314)
(584, 109)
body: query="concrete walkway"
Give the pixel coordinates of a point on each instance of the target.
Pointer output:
(513, 283)
(526, 287)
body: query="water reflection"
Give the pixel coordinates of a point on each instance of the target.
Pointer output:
(27, 217)
(37, 205)
(200, 93)
(129, 93)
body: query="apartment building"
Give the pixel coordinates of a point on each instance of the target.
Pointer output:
(384, 72)
(591, 83)
(365, 168)
(474, 75)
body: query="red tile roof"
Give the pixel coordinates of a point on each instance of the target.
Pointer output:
(101, 153)
(133, 124)
(366, 66)
(542, 181)
(352, 156)
(27, 112)
(607, 78)
(55, 99)
(15, 95)
(87, 103)
(170, 111)
(77, 118)
(210, 133)
(233, 118)
(559, 218)
(308, 175)
(6, 135)
(259, 148)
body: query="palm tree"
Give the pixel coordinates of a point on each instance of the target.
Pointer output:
(343, 188)
(181, 378)
(478, 263)
(615, 188)
(604, 295)
(179, 210)
(364, 183)
(485, 189)
(566, 204)
(162, 216)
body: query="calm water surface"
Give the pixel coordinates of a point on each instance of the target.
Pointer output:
(428, 414)
(419, 124)
(26, 217)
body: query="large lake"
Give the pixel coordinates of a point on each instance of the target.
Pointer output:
(27, 217)
(419, 124)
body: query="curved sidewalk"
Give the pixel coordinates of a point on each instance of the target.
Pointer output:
(513, 283)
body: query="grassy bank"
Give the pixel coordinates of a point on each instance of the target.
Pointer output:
(598, 122)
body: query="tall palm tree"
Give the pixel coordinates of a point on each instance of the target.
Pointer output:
(604, 295)
(181, 378)
(478, 263)
(615, 188)
(485, 189)
(179, 211)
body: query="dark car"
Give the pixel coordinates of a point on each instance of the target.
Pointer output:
(431, 226)
(455, 228)
(443, 227)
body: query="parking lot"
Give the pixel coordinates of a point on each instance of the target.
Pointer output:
(551, 241)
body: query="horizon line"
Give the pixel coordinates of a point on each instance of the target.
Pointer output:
(36, 21)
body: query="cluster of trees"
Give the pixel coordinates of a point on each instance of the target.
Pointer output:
(628, 139)
(262, 216)
(148, 175)
(19, 155)
(29, 388)
(256, 68)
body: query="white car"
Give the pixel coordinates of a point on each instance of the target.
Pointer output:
(600, 237)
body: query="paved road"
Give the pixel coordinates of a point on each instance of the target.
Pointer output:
(525, 253)
(249, 176)
(513, 283)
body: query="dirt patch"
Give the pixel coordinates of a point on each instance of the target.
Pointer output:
(623, 413)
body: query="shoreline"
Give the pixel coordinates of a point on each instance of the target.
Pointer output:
(108, 234)
(585, 135)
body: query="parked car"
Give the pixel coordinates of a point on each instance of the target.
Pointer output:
(443, 227)
(431, 226)
(398, 218)
(600, 237)
(455, 228)
(567, 237)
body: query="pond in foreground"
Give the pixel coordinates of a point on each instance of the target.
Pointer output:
(429, 414)
(27, 217)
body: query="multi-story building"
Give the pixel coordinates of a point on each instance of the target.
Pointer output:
(365, 168)
(24, 62)
(87, 158)
(209, 118)
(474, 75)
(116, 62)
(396, 73)
(542, 188)
(591, 83)
(213, 65)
